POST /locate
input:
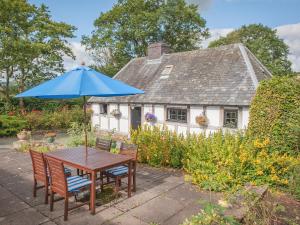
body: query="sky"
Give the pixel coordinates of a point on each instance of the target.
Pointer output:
(222, 16)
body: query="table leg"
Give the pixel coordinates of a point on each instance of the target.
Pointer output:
(129, 178)
(93, 193)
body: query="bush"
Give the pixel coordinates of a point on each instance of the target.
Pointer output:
(275, 114)
(159, 147)
(219, 162)
(211, 215)
(11, 125)
(62, 119)
(77, 136)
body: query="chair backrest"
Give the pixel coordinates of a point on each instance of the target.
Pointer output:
(103, 144)
(129, 149)
(58, 181)
(39, 166)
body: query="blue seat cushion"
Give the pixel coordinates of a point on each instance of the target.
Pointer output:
(118, 171)
(67, 170)
(77, 182)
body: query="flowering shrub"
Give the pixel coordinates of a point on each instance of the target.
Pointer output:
(46, 120)
(201, 120)
(221, 161)
(159, 147)
(149, 117)
(116, 113)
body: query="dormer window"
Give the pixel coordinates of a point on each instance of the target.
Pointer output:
(167, 70)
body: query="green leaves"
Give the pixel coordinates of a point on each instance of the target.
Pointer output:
(130, 26)
(32, 45)
(264, 43)
(275, 113)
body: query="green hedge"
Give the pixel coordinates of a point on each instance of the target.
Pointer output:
(275, 114)
(11, 125)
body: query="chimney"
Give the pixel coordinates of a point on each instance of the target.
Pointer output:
(156, 50)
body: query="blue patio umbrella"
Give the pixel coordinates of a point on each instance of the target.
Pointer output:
(80, 82)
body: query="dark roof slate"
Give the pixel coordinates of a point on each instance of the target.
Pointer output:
(213, 76)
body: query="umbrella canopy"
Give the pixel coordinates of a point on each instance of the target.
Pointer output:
(81, 81)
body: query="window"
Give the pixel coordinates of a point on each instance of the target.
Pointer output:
(230, 118)
(167, 70)
(177, 115)
(103, 109)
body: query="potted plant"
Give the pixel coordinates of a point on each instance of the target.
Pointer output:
(50, 137)
(23, 135)
(149, 117)
(201, 120)
(116, 113)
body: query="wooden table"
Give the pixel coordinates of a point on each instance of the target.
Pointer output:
(94, 162)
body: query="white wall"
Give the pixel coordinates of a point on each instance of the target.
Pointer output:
(213, 115)
(159, 112)
(108, 122)
(245, 117)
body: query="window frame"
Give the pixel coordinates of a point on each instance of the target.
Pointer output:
(103, 109)
(177, 115)
(225, 119)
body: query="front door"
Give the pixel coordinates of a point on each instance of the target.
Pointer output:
(136, 117)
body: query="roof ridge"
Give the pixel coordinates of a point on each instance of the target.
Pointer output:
(258, 61)
(249, 65)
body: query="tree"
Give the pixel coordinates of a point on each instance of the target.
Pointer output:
(264, 43)
(31, 44)
(130, 26)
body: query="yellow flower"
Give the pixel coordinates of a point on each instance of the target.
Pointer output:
(285, 181)
(260, 172)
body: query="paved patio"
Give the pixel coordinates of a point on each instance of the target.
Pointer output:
(162, 197)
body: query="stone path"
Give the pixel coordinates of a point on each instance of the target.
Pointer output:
(162, 197)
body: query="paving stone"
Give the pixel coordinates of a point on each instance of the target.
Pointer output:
(186, 212)
(126, 219)
(11, 205)
(157, 210)
(82, 216)
(136, 200)
(48, 223)
(25, 217)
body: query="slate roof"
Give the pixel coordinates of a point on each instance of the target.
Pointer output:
(226, 75)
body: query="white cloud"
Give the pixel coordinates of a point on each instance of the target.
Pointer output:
(216, 34)
(80, 54)
(202, 4)
(291, 35)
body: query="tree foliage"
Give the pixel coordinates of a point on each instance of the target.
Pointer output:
(275, 113)
(127, 29)
(32, 45)
(264, 43)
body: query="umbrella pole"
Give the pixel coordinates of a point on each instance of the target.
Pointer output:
(85, 127)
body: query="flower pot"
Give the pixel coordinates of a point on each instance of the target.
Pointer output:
(50, 139)
(23, 135)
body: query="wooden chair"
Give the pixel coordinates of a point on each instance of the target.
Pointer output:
(103, 144)
(63, 185)
(117, 173)
(40, 173)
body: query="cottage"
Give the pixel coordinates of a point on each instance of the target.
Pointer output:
(188, 92)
